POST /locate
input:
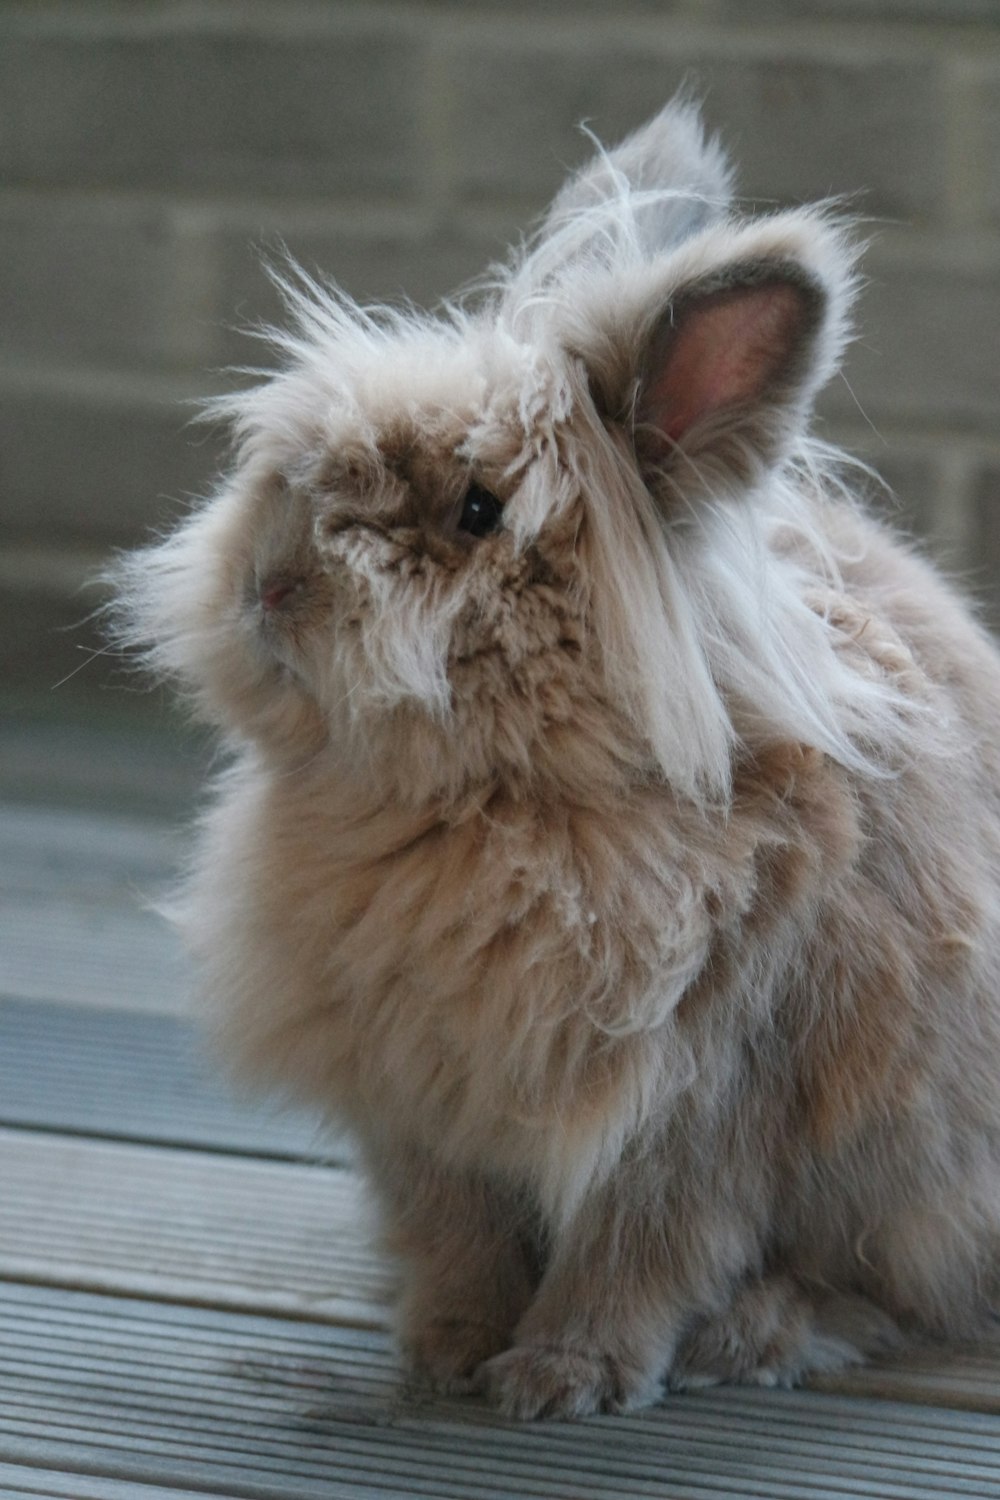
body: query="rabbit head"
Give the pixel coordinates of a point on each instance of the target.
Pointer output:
(532, 536)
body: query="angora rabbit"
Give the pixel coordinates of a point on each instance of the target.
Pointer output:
(612, 841)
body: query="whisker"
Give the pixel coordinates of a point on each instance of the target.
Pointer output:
(100, 651)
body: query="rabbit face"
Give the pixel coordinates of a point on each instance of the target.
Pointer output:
(410, 568)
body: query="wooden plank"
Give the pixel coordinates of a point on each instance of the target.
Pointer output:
(965, 1376)
(170, 1395)
(75, 922)
(17, 1481)
(190, 1227)
(147, 762)
(294, 1240)
(45, 848)
(139, 1077)
(91, 952)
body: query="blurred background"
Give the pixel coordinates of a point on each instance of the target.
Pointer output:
(152, 150)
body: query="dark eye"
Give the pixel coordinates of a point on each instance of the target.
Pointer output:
(481, 512)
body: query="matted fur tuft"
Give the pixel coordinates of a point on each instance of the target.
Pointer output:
(612, 838)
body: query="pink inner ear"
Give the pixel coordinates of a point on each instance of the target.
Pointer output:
(724, 350)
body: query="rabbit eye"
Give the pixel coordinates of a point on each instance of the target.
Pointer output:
(481, 512)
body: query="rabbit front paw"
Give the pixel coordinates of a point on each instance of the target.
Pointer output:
(560, 1380)
(445, 1353)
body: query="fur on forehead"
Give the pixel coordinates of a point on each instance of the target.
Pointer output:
(383, 381)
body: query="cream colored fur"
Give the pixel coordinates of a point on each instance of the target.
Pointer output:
(627, 877)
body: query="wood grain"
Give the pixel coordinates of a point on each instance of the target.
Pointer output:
(192, 1303)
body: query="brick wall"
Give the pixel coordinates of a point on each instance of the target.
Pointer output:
(149, 150)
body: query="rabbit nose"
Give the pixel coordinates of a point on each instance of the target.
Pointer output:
(274, 591)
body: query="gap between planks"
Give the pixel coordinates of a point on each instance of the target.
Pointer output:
(188, 1226)
(284, 1240)
(259, 1406)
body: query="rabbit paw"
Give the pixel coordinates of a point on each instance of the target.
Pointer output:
(557, 1380)
(445, 1353)
(773, 1334)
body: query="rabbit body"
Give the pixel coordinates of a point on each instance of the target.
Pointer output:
(612, 838)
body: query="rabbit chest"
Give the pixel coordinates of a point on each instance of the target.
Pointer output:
(506, 986)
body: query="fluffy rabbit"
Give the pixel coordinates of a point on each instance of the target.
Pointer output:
(612, 834)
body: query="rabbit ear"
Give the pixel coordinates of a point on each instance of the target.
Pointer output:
(734, 351)
(661, 186)
(715, 350)
(667, 178)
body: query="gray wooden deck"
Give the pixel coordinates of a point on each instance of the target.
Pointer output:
(189, 1304)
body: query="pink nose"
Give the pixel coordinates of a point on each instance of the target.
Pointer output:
(274, 592)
